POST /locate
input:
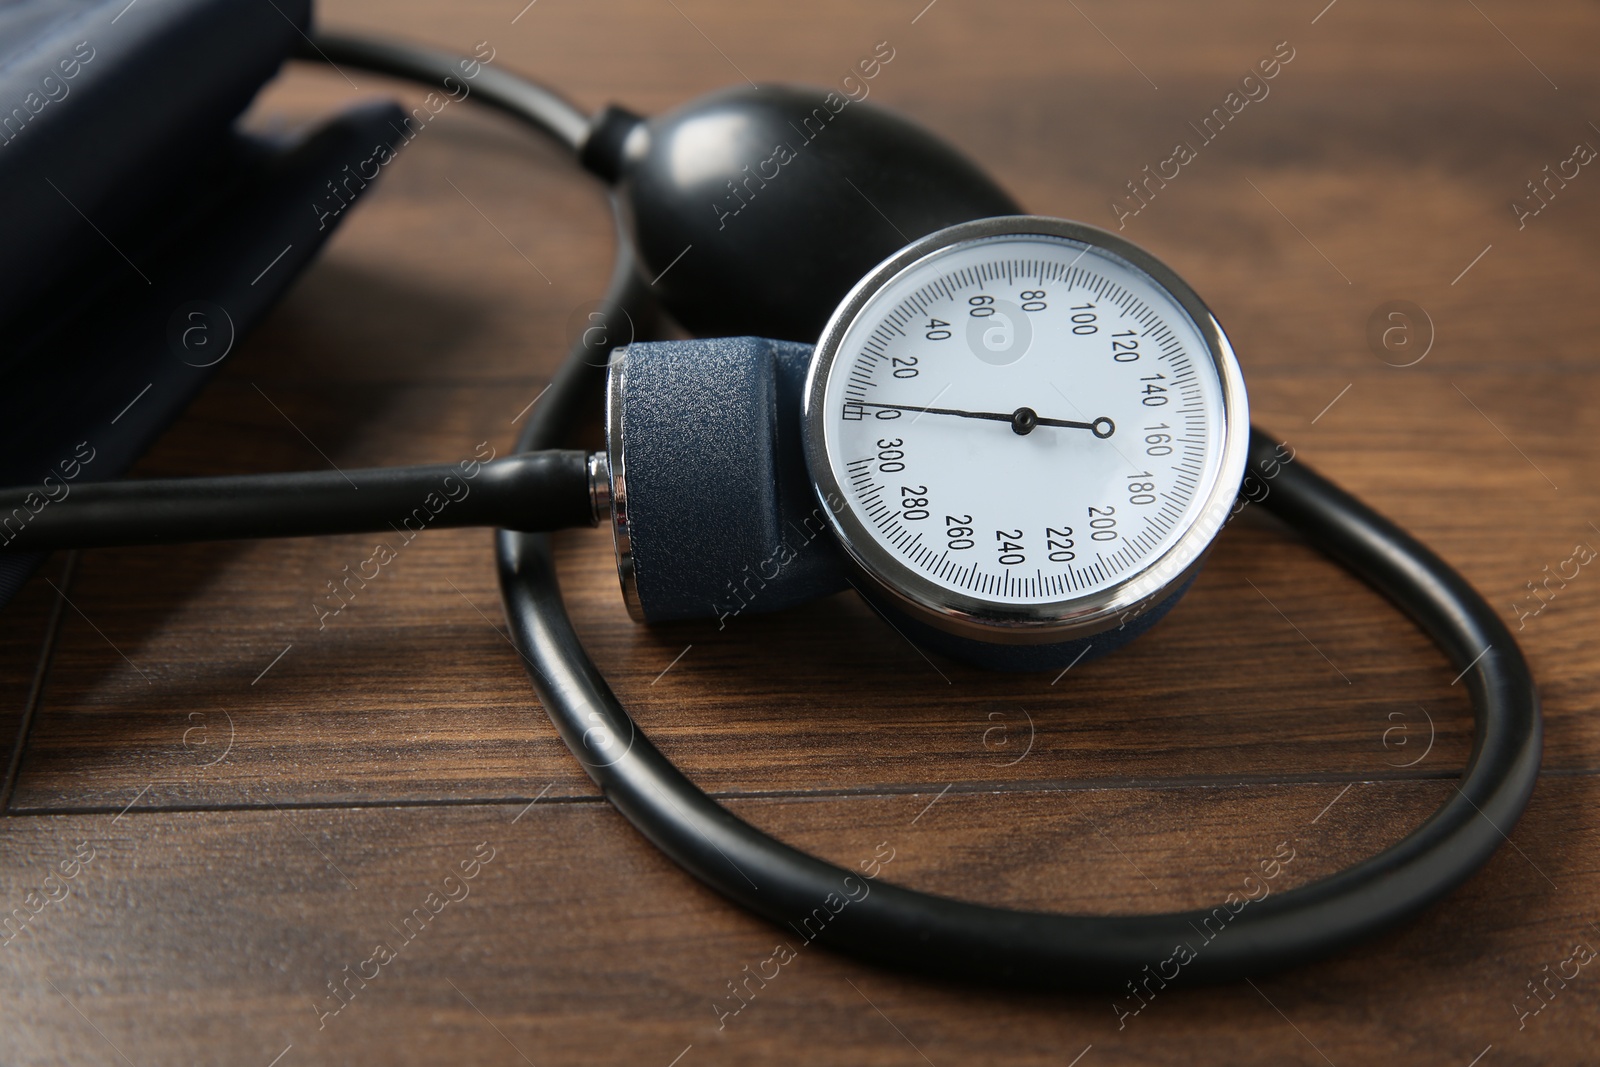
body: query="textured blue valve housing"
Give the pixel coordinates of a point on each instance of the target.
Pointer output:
(721, 515)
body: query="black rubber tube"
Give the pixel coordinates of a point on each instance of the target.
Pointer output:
(543, 109)
(930, 934)
(936, 935)
(530, 491)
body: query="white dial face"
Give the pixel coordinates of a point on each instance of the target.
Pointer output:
(1024, 419)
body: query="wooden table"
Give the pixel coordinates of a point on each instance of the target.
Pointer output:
(264, 801)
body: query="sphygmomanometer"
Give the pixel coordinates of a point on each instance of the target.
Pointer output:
(1015, 436)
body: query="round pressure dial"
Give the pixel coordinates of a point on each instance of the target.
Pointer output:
(1025, 429)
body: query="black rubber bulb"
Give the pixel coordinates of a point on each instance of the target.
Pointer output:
(754, 210)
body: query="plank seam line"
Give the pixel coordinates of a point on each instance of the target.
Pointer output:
(41, 673)
(1107, 785)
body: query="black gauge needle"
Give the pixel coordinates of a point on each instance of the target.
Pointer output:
(1023, 420)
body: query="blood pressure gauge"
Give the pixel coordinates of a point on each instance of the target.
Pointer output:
(1028, 430)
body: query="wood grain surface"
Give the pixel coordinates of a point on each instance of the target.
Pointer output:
(263, 800)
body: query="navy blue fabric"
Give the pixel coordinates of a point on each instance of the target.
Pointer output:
(107, 107)
(129, 201)
(98, 369)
